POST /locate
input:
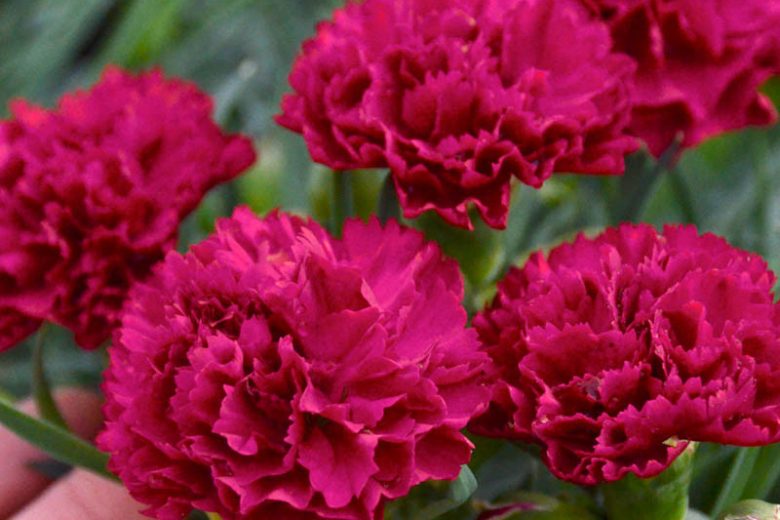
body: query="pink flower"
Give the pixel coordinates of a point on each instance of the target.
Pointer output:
(275, 372)
(700, 64)
(459, 97)
(14, 327)
(616, 351)
(92, 194)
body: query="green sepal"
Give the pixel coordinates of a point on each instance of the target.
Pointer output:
(664, 497)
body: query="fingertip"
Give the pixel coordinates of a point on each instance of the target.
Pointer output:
(81, 409)
(85, 496)
(19, 481)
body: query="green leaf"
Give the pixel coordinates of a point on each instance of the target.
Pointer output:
(685, 198)
(464, 486)
(737, 479)
(638, 183)
(751, 510)
(708, 473)
(388, 201)
(146, 28)
(40, 43)
(664, 497)
(459, 492)
(5, 396)
(766, 471)
(44, 401)
(343, 204)
(538, 506)
(60, 444)
(480, 253)
(506, 469)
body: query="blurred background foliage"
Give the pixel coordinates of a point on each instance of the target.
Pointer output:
(241, 51)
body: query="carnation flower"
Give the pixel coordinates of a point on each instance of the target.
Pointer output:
(616, 351)
(700, 64)
(92, 194)
(14, 327)
(459, 97)
(275, 372)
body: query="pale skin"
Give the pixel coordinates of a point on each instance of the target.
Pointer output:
(26, 494)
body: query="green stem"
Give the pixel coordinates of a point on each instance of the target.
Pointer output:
(736, 480)
(388, 201)
(44, 401)
(342, 200)
(664, 497)
(60, 444)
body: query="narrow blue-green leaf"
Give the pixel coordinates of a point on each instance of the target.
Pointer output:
(44, 402)
(684, 196)
(459, 492)
(388, 201)
(737, 479)
(464, 486)
(640, 181)
(343, 206)
(230, 91)
(765, 474)
(146, 28)
(59, 443)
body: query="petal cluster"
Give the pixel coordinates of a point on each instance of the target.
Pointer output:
(459, 97)
(275, 372)
(92, 194)
(699, 64)
(616, 351)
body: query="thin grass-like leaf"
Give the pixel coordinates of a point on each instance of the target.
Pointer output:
(60, 444)
(737, 479)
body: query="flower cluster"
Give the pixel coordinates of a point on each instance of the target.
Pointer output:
(615, 351)
(460, 97)
(275, 372)
(699, 64)
(92, 194)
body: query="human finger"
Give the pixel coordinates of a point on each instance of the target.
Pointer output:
(19, 481)
(85, 496)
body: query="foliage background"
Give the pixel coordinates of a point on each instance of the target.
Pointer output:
(241, 52)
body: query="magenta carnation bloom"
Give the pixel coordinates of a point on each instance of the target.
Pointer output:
(275, 372)
(700, 64)
(92, 194)
(615, 351)
(458, 97)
